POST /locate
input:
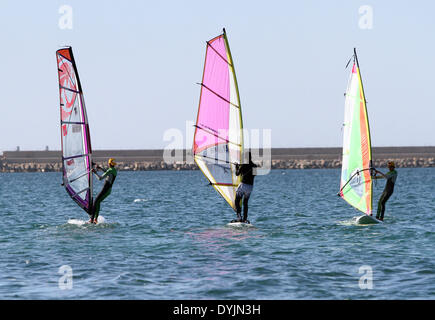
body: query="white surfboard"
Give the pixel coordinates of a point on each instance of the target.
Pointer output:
(366, 219)
(79, 222)
(240, 225)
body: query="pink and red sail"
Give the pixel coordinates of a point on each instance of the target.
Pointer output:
(218, 140)
(75, 137)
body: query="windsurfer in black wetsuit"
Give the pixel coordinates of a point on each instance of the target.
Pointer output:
(391, 177)
(245, 188)
(110, 175)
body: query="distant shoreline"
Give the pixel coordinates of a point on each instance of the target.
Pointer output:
(281, 158)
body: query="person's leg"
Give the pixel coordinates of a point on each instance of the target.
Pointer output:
(238, 206)
(384, 201)
(104, 193)
(91, 212)
(93, 208)
(247, 195)
(381, 204)
(245, 208)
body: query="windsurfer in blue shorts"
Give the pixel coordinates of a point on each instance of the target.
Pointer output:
(110, 175)
(245, 188)
(391, 177)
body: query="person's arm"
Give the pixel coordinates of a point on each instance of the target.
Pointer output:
(101, 168)
(96, 173)
(381, 176)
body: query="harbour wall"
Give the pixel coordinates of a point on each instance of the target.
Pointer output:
(275, 158)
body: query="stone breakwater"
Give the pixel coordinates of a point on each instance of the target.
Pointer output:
(335, 164)
(121, 166)
(161, 165)
(275, 158)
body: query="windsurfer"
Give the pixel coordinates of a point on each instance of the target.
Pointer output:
(245, 188)
(391, 177)
(110, 175)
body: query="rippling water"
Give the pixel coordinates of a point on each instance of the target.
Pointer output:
(165, 237)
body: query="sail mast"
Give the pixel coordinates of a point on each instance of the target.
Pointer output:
(365, 104)
(236, 86)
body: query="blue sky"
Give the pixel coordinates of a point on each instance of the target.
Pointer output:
(139, 62)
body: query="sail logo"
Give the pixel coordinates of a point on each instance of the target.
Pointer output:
(218, 148)
(357, 182)
(67, 97)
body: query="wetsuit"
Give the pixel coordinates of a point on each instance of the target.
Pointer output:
(245, 188)
(110, 176)
(388, 191)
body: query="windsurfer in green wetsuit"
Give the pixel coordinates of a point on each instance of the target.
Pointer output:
(110, 175)
(245, 188)
(391, 177)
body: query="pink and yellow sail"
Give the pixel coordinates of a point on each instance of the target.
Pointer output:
(218, 139)
(356, 180)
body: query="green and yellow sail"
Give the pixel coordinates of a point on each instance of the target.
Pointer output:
(356, 180)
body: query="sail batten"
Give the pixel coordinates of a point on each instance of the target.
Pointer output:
(72, 122)
(356, 181)
(218, 138)
(219, 96)
(71, 90)
(77, 156)
(75, 137)
(208, 43)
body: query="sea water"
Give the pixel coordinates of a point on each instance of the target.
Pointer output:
(165, 236)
